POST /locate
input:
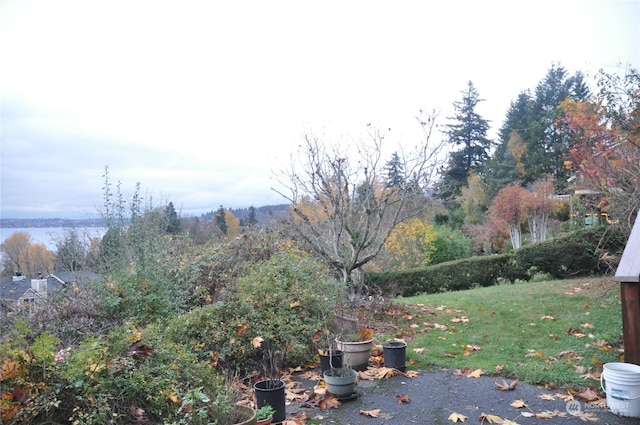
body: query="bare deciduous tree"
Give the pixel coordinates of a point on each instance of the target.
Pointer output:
(343, 205)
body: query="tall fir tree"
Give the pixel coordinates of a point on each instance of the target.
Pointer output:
(502, 168)
(532, 144)
(252, 219)
(395, 171)
(220, 221)
(173, 221)
(468, 134)
(547, 145)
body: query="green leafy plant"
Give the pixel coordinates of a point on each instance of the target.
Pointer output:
(265, 412)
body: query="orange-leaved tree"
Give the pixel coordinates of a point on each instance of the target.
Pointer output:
(506, 211)
(605, 137)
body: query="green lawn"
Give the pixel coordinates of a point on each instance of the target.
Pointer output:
(554, 332)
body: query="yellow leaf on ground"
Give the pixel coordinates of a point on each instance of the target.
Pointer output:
(492, 419)
(371, 413)
(476, 373)
(457, 417)
(518, 404)
(411, 373)
(547, 397)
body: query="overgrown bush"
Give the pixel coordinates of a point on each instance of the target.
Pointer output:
(277, 306)
(118, 378)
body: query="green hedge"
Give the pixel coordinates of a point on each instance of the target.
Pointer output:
(572, 254)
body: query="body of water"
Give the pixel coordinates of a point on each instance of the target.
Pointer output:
(50, 235)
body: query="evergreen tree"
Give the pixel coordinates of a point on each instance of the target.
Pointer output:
(251, 220)
(468, 132)
(502, 168)
(220, 221)
(70, 252)
(395, 171)
(547, 145)
(173, 221)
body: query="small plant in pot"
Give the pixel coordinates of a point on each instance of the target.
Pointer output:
(324, 342)
(341, 381)
(265, 414)
(270, 391)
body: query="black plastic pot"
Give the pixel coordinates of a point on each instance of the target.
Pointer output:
(271, 392)
(395, 354)
(335, 361)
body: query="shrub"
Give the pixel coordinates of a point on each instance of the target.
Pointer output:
(118, 378)
(576, 253)
(278, 306)
(450, 244)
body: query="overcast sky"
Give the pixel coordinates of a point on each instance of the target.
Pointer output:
(200, 100)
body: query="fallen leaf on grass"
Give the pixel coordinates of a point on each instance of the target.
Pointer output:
(492, 419)
(547, 318)
(518, 404)
(371, 413)
(575, 332)
(504, 386)
(403, 398)
(457, 417)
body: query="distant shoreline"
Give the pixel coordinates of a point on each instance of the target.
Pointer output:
(9, 223)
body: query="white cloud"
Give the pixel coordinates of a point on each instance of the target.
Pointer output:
(199, 100)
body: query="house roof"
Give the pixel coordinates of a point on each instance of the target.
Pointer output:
(13, 290)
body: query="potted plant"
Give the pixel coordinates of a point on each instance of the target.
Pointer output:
(341, 381)
(265, 414)
(356, 348)
(270, 389)
(324, 342)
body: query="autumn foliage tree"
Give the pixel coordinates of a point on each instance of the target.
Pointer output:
(605, 136)
(20, 254)
(506, 212)
(538, 205)
(353, 209)
(411, 244)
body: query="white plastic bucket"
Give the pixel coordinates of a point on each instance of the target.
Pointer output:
(621, 382)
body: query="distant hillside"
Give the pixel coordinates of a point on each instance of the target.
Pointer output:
(263, 214)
